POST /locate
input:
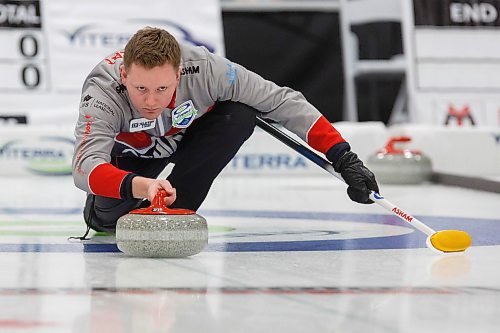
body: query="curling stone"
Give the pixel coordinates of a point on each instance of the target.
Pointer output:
(160, 232)
(400, 166)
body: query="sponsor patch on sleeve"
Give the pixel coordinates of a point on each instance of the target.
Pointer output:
(184, 115)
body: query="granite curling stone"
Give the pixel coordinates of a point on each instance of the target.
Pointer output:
(160, 232)
(400, 166)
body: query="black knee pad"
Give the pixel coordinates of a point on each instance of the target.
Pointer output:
(101, 214)
(238, 118)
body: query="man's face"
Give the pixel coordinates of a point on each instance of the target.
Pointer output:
(150, 90)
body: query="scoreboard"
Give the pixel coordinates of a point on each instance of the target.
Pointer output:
(22, 58)
(453, 47)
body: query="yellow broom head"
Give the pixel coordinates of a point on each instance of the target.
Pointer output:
(450, 241)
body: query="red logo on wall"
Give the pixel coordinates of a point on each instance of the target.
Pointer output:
(459, 115)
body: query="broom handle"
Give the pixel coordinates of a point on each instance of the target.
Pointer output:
(326, 165)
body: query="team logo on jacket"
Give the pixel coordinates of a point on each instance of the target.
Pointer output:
(141, 124)
(184, 115)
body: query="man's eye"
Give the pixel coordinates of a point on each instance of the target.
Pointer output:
(162, 88)
(141, 88)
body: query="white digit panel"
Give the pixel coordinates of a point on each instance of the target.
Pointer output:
(21, 44)
(23, 76)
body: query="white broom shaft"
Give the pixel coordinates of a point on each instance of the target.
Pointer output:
(402, 214)
(389, 206)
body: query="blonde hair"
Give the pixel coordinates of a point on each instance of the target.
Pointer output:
(151, 47)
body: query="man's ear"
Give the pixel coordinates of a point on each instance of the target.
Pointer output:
(123, 74)
(179, 73)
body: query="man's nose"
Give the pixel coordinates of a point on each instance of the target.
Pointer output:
(150, 99)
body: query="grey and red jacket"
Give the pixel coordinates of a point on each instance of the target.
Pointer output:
(109, 125)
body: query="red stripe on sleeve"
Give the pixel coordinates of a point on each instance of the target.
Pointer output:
(105, 180)
(322, 136)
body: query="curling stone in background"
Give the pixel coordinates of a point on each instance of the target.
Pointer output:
(157, 231)
(400, 166)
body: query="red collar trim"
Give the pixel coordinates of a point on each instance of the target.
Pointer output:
(171, 105)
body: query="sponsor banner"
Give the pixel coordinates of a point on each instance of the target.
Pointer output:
(48, 150)
(93, 29)
(28, 151)
(50, 46)
(264, 155)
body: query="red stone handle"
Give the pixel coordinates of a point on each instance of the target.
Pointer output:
(391, 149)
(158, 207)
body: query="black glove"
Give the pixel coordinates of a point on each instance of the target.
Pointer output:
(360, 180)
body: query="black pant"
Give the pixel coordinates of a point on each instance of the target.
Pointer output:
(206, 148)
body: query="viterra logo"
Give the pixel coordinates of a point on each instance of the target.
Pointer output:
(45, 155)
(399, 212)
(116, 34)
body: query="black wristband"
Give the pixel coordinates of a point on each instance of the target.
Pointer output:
(126, 187)
(334, 153)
